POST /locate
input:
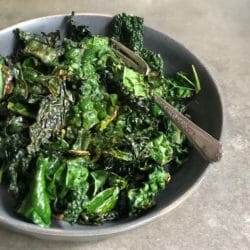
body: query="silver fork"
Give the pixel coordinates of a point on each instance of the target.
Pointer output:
(207, 146)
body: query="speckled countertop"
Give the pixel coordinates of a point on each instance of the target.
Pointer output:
(217, 215)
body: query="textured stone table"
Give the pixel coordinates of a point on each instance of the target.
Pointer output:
(217, 215)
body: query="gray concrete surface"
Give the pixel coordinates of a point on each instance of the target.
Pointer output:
(217, 216)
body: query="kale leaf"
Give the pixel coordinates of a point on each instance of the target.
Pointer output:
(77, 33)
(6, 85)
(141, 199)
(50, 120)
(103, 202)
(128, 30)
(36, 206)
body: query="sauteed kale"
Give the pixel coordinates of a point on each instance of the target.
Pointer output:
(80, 138)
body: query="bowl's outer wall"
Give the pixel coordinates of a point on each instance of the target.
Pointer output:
(206, 111)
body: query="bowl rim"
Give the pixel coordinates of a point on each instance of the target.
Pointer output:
(32, 229)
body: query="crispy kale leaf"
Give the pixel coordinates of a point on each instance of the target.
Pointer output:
(141, 199)
(43, 47)
(160, 149)
(14, 160)
(76, 175)
(76, 182)
(128, 30)
(153, 59)
(75, 205)
(6, 85)
(50, 39)
(103, 202)
(35, 206)
(44, 52)
(50, 120)
(77, 33)
(135, 83)
(99, 177)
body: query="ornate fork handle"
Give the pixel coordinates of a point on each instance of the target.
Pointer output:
(209, 147)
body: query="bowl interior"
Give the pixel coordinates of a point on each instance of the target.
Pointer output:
(205, 109)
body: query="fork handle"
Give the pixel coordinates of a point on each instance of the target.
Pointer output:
(208, 146)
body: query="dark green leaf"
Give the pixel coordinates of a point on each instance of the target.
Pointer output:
(76, 205)
(115, 180)
(135, 83)
(154, 60)
(77, 33)
(141, 199)
(103, 202)
(56, 182)
(6, 85)
(44, 52)
(22, 109)
(128, 30)
(35, 206)
(160, 149)
(50, 120)
(121, 155)
(99, 177)
(76, 175)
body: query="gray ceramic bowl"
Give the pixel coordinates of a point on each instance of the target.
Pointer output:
(206, 111)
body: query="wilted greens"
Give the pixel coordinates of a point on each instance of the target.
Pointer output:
(80, 137)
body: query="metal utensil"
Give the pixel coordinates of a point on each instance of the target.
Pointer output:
(207, 146)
